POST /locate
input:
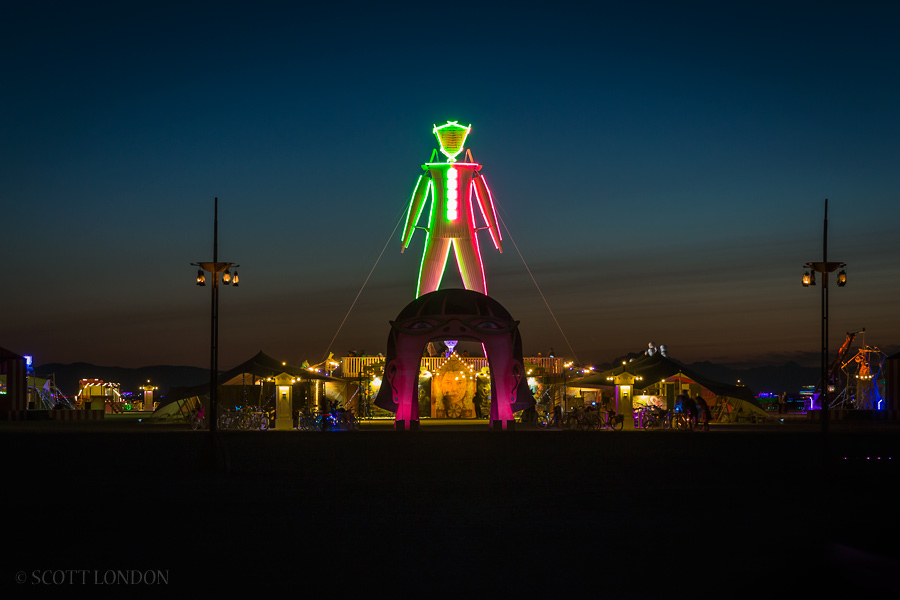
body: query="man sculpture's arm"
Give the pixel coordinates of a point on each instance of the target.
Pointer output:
(486, 204)
(416, 204)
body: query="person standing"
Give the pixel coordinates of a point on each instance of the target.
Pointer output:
(691, 407)
(703, 409)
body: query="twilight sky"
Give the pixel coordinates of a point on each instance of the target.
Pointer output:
(660, 170)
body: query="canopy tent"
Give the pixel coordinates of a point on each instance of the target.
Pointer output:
(652, 371)
(251, 383)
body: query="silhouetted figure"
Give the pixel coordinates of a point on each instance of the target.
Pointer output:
(703, 408)
(691, 407)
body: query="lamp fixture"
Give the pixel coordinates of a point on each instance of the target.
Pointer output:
(201, 277)
(842, 278)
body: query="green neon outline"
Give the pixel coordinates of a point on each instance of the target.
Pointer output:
(452, 157)
(409, 211)
(427, 237)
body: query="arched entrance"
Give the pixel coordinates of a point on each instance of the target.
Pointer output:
(454, 314)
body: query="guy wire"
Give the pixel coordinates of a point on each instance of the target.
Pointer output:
(359, 293)
(547, 304)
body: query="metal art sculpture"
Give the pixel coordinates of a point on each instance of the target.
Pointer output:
(458, 315)
(454, 187)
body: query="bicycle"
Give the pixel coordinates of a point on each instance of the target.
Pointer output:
(547, 419)
(344, 420)
(639, 416)
(682, 421)
(309, 422)
(610, 420)
(227, 419)
(572, 419)
(585, 419)
(655, 416)
(198, 421)
(252, 417)
(330, 421)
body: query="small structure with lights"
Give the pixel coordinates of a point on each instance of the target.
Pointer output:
(454, 314)
(96, 394)
(148, 390)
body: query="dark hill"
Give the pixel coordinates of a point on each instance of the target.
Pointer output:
(165, 377)
(789, 377)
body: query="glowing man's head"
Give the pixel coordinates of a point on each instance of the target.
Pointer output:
(452, 137)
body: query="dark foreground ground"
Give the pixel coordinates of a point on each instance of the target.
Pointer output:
(445, 512)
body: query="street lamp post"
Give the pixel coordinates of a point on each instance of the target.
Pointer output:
(809, 278)
(214, 268)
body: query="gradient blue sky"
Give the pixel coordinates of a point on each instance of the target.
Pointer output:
(660, 167)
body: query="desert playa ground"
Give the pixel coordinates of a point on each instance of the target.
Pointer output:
(452, 510)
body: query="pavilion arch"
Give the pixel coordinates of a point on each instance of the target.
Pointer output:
(454, 314)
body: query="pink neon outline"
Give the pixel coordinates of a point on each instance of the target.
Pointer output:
(451, 183)
(499, 237)
(456, 164)
(474, 239)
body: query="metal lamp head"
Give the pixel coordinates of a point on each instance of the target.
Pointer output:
(201, 277)
(842, 278)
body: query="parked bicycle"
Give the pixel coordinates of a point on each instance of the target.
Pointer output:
(243, 417)
(682, 421)
(547, 419)
(585, 419)
(337, 420)
(312, 422)
(610, 420)
(655, 417)
(198, 420)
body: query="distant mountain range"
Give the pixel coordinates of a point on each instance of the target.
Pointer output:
(789, 377)
(165, 377)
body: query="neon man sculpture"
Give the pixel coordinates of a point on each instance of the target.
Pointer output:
(451, 221)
